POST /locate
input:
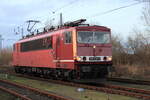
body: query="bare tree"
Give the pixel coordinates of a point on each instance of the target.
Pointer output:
(118, 50)
(138, 45)
(5, 56)
(146, 13)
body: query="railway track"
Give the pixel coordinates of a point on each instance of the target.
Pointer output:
(114, 89)
(142, 91)
(125, 80)
(22, 97)
(107, 88)
(28, 93)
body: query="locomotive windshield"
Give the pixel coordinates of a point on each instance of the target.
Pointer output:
(93, 37)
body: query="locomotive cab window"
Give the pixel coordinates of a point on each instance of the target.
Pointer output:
(68, 37)
(93, 37)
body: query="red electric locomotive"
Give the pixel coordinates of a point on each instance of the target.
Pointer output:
(72, 51)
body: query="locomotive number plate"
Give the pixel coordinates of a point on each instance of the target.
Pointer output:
(94, 58)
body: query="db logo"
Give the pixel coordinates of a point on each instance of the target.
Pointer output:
(100, 50)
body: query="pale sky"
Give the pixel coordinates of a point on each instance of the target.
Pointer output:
(14, 13)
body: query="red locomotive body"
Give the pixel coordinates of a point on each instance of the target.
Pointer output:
(70, 52)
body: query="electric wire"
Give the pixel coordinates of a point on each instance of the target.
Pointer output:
(95, 15)
(113, 10)
(66, 5)
(53, 12)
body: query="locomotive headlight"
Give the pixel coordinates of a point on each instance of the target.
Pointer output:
(84, 58)
(78, 58)
(109, 58)
(94, 46)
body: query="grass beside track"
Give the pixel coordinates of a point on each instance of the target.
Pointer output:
(66, 90)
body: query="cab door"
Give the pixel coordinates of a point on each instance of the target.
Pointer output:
(67, 46)
(64, 50)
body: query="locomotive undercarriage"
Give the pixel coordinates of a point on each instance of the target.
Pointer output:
(61, 74)
(84, 71)
(87, 71)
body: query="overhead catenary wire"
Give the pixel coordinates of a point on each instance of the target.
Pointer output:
(113, 10)
(64, 6)
(95, 15)
(53, 12)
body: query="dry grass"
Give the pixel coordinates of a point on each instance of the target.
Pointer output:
(133, 71)
(6, 56)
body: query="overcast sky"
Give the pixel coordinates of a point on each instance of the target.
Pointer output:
(14, 13)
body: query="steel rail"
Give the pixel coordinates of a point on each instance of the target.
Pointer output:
(132, 92)
(22, 97)
(109, 89)
(125, 80)
(118, 87)
(40, 92)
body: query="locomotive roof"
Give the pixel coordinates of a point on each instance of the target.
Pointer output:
(52, 32)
